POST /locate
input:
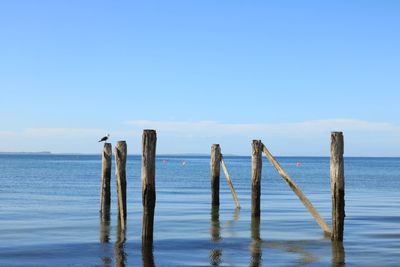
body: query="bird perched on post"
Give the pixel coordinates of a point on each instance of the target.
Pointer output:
(104, 138)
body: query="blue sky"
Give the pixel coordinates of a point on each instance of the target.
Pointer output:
(200, 72)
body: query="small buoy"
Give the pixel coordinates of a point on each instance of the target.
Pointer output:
(183, 163)
(298, 164)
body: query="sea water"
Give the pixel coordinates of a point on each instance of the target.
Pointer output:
(49, 214)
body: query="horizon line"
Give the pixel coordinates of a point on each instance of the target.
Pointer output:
(179, 154)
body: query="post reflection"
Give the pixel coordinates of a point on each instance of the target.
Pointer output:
(147, 254)
(256, 250)
(105, 233)
(236, 214)
(105, 226)
(216, 253)
(119, 252)
(229, 229)
(338, 254)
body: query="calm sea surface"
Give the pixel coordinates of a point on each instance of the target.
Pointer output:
(49, 214)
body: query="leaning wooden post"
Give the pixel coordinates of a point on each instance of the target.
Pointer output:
(120, 172)
(337, 185)
(256, 167)
(296, 189)
(215, 172)
(105, 192)
(149, 141)
(228, 178)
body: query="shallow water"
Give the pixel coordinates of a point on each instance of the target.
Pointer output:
(49, 214)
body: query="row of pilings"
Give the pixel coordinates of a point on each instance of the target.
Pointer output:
(336, 178)
(149, 140)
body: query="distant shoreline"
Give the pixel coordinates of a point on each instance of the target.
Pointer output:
(183, 155)
(26, 153)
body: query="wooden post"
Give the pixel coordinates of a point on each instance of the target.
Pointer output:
(149, 141)
(120, 172)
(215, 172)
(105, 192)
(256, 167)
(228, 178)
(321, 222)
(337, 185)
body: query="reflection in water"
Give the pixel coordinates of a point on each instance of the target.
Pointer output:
(338, 254)
(147, 254)
(256, 250)
(230, 232)
(105, 233)
(215, 225)
(105, 226)
(147, 243)
(106, 261)
(216, 253)
(120, 255)
(296, 247)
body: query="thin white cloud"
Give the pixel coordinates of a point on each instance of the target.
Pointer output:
(62, 132)
(295, 128)
(6, 133)
(310, 138)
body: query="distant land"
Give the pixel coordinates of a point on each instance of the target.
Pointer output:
(160, 155)
(26, 153)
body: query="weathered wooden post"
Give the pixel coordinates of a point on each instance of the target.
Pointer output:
(215, 165)
(120, 172)
(256, 167)
(105, 191)
(149, 140)
(337, 185)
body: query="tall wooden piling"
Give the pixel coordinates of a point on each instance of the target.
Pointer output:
(256, 167)
(120, 172)
(149, 140)
(215, 165)
(337, 185)
(105, 191)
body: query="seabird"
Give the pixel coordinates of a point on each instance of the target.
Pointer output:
(104, 138)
